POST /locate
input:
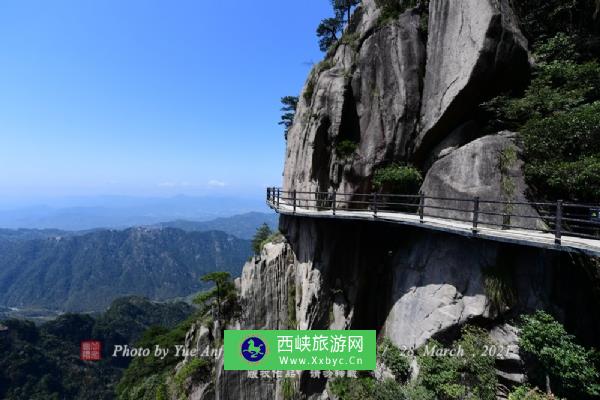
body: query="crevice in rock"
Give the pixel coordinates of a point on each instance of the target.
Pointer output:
(350, 122)
(321, 156)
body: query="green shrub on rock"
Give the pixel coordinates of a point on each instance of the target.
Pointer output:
(399, 179)
(467, 374)
(393, 358)
(564, 364)
(345, 148)
(562, 154)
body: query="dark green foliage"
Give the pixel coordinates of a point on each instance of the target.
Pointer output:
(328, 31)
(259, 239)
(562, 154)
(499, 285)
(353, 388)
(367, 387)
(393, 358)
(145, 374)
(524, 392)
(87, 272)
(309, 92)
(543, 18)
(221, 300)
(43, 362)
(471, 375)
(345, 148)
(196, 370)
(129, 317)
(398, 179)
(559, 121)
(343, 8)
(567, 364)
(290, 104)
(391, 9)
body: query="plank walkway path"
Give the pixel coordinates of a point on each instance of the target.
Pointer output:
(558, 226)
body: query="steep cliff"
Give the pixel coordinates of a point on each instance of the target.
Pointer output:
(404, 90)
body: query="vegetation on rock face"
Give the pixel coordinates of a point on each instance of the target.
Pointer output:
(562, 366)
(195, 371)
(543, 18)
(261, 238)
(146, 375)
(525, 392)
(398, 179)
(309, 92)
(443, 374)
(221, 300)
(470, 375)
(393, 358)
(330, 29)
(290, 104)
(391, 9)
(558, 118)
(345, 148)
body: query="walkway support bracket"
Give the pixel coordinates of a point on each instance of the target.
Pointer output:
(294, 200)
(558, 227)
(475, 214)
(333, 195)
(374, 199)
(421, 207)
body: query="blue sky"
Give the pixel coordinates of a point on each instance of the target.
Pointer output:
(148, 97)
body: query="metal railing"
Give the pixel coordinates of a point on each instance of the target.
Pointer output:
(558, 218)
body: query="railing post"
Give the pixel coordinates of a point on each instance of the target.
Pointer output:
(374, 204)
(269, 195)
(294, 200)
(333, 202)
(558, 227)
(475, 213)
(421, 206)
(278, 196)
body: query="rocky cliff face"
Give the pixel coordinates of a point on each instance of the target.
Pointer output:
(403, 90)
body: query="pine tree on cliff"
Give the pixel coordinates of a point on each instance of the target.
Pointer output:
(328, 31)
(260, 237)
(290, 103)
(344, 8)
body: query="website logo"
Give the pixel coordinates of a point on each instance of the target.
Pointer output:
(294, 350)
(253, 349)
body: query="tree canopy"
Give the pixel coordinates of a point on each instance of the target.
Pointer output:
(260, 237)
(290, 104)
(328, 31)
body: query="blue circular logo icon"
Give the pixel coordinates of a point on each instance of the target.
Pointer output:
(253, 349)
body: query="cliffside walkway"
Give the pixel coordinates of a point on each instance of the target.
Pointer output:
(559, 226)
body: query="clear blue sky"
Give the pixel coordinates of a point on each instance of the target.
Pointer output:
(148, 97)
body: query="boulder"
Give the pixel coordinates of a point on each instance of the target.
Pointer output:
(490, 168)
(436, 287)
(474, 50)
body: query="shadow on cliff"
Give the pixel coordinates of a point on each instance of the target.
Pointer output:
(383, 276)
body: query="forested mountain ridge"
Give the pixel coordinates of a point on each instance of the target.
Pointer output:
(87, 272)
(43, 362)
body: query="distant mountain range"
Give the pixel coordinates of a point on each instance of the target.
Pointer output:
(86, 272)
(243, 226)
(76, 214)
